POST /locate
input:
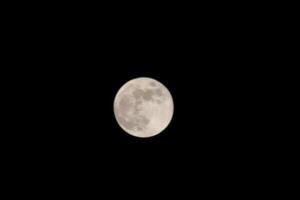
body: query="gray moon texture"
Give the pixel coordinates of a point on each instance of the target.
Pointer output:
(143, 107)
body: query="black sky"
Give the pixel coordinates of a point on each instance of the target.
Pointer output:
(71, 66)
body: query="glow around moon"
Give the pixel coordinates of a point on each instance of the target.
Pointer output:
(143, 107)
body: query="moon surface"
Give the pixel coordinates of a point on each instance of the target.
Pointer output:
(143, 107)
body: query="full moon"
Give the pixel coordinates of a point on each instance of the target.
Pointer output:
(143, 107)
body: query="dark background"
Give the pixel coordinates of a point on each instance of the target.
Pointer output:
(70, 63)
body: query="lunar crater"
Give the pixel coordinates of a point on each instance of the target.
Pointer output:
(153, 84)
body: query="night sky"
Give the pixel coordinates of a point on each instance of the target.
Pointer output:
(71, 69)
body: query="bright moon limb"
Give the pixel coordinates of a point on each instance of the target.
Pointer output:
(143, 107)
